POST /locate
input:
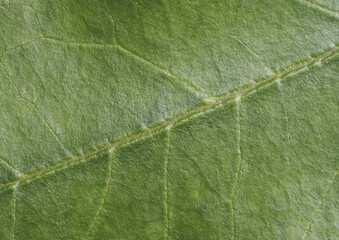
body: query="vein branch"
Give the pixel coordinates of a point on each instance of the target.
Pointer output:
(240, 161)
(201, 109)
(166, 182)
(8, 50)
(249, 49)
(112, 20)
(104, 196)
(63, 41)
(320, 8)
(208, 183)
(190, 87)
(127, 52)
(51, 130)
(14, 210)
(40, 116)
(17, 171)
(37, 18)
(194, 89)
(310, 222)
(131, 113)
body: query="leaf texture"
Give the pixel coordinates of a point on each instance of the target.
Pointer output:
(169, 119)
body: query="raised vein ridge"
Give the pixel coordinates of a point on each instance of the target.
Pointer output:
(104, 196)
(210, 103)
(239, 168)
(166, 182)
(321, 8)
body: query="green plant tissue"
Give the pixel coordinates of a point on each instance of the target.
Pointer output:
(181, 119)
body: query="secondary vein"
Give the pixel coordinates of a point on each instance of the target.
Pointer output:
(309, 224)
(104, 197)
(240, 160)
(14, 210)
(39, 115)
(189, 87)
(212, 102)
(320, 8)
(166, 182)
(17, 171)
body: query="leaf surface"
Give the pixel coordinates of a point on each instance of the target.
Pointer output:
(169, 119)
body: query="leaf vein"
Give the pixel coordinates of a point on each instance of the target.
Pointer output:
(166, 182)
(201, 109)
(239, 168)
(320, 8)
(17, 171)
(104, 196)
(250, 50)
(14, 210)
(51, 130)
(40, 116)
(322, 201)
(189, 86)
(127, 52)
(192, 88)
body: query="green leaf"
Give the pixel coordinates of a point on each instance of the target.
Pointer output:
(195, 119)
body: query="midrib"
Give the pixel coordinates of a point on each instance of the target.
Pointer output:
(211, 103)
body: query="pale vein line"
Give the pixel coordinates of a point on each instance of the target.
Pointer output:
(51, 130)
(39, 114)
(25, 43)
(37, 19)
(150, 131)
(166, 182)
(208, 182)
(131, 113)
(62, 41)
(240, 160)
(112, 20)
(316, 2)
(210, 185)
(190, 87)
(320, 8)
(250, 50)
(17, 171)
(104, 196)
(14, 209)
(116, 45)
(9, 50)
(309, 224)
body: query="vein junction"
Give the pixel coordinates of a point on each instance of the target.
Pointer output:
(210, 103)
(190, 87)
